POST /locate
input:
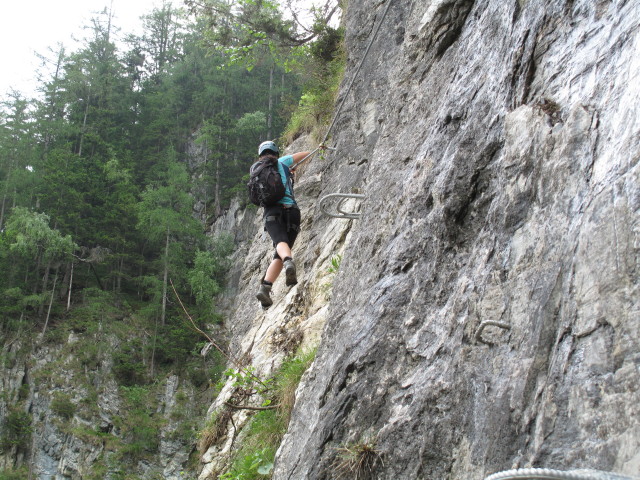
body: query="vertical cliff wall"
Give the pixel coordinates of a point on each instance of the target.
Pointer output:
(486, 311)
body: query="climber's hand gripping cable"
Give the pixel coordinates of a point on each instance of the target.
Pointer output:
(322, 146)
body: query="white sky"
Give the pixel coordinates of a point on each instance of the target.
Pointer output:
(30, 26)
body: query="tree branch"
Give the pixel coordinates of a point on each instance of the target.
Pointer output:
(246, 407)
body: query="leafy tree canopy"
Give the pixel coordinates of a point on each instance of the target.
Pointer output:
(244, 29)
(32, 235)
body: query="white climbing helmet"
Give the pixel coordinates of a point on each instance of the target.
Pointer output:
(268, 145)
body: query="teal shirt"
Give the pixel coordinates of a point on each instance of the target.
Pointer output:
(288, 196)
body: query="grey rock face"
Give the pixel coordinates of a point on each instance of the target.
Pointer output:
(497, 144)
(57, 447)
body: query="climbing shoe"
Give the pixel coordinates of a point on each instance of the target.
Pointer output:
(290, 272)
(264, 295)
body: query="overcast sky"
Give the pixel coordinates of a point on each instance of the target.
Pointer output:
(30, 26)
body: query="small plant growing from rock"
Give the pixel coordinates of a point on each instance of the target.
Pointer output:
(336, 260)
(247, 382)
(63, 406)
(255, 455)
(214, 430)
(357, 461)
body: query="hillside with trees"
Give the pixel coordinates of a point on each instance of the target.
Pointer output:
(108, 180)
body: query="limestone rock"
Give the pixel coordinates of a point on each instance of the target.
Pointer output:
(502, 143)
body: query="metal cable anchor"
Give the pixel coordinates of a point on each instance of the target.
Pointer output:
(486, 324)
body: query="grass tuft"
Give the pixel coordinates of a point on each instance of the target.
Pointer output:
(357, 461)
(214, 430)
(254, 459)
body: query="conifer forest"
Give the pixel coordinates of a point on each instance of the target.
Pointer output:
(109, 179)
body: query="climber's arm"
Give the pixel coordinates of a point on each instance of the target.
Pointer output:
(299, 156)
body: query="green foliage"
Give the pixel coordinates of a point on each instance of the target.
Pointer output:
(97, 306)
(102, 159)
(201, 278)
(11, 304)
(16, 430)
(174, 344)
(336, 260)
(32, 236)
(247, 380)
(253, 466)
(328, 46)
(140, 426)
(244, 30)
(207, 275)
(21, 473)
(63, 406)
(316, 104)
(254, 459)
(166, 204)
(127, 365)
(207, 374)
(98, 470)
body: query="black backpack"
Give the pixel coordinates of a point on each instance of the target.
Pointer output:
(265, 184)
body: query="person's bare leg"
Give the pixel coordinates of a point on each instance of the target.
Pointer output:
(264, 294)
(275, 267)
(283, 250)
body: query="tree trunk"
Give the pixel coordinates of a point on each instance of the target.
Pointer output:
(120, 269)
(53, 291)
(4, 199)
(52, 100)
(35, 282)
(216, 193)
(206, 171)
(269, 116)
(84, 125)
(6, 191)
(45, 281)
(70, 284)
(153, 348)
(165, 280)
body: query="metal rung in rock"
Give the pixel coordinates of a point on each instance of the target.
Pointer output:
(340, 211)
(486, 324)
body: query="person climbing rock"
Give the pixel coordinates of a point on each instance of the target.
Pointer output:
(282, 221)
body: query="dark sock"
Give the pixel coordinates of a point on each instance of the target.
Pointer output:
(264, 282)
(287, 258)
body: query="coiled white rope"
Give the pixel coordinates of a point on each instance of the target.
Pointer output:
(548, 474)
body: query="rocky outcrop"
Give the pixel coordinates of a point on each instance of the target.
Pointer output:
(485, 315)
(75, 417)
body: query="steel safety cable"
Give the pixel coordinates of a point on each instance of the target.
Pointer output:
(353, 79)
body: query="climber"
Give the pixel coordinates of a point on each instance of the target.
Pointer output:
(282, 222)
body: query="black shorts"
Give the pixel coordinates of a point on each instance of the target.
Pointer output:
(282, 224)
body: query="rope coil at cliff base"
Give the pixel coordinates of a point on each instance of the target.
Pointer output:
(548, 474)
